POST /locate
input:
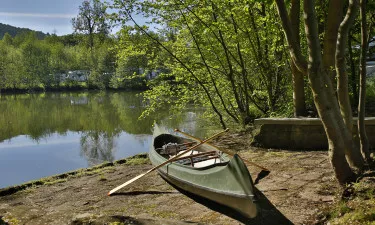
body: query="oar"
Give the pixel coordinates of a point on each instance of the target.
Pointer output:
(225, 151)
(164, 163)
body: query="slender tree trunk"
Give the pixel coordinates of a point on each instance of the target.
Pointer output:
(298, 80)
(294, 48)
(325, 99)
(362, 88)
(342, 81)
(335, 8)
(352, 152)
(298, 92)
(353, 80)
(231, 73)
(208, 69)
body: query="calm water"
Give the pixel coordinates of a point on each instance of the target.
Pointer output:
(51, 133)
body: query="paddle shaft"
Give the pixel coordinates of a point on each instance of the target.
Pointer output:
(225, 151)
(166, 162)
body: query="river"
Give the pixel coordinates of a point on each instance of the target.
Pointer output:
(51, 133)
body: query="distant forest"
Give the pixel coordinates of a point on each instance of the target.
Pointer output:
(31, 60)
(13, 31)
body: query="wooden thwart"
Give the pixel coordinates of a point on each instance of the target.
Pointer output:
(213, 154)
(197, 155)
(225, 151)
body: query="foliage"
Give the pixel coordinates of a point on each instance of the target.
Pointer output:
(27, 63)
(91, 20)
(137, 59)
(228, 57)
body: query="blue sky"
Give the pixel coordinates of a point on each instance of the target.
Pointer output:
(48, 16)
(40, 15)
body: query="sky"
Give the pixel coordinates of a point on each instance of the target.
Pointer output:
(48, 16)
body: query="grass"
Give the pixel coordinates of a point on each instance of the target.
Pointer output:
(357, 212)
(137, 161)
(165, 214)
(55, 181)
(102, 177)
(116, 223)
(9, 219)
(358, 208)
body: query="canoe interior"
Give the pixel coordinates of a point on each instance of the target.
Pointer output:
(200, 157)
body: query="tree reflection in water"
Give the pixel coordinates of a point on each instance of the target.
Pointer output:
(98, 146)
(100, 118)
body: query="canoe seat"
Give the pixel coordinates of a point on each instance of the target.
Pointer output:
(192, 152)
(199, 159)
(208, 162)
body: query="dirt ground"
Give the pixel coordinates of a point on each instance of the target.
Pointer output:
(299, 185)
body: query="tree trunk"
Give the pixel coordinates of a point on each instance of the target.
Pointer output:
(298, 80)
(298, 92)
(352, 152)
(325, 99)
(342, 80)
(334, 19)
(293, 43)
(362, 87)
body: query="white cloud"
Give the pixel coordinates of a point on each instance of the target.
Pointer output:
(36, 15)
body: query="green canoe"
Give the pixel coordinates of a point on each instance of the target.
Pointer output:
(208, 174)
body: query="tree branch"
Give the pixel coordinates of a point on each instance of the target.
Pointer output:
(294, 49)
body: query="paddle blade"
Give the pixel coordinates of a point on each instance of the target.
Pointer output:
(125, 184)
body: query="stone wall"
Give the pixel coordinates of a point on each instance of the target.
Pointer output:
(299, 133)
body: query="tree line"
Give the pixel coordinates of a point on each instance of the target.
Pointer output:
(27, 63)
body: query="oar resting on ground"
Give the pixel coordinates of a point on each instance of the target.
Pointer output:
(261, 175)
(166, 162)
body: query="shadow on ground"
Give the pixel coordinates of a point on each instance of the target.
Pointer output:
(2, 222)
(268, 214)
(143, 193)
(117, 219)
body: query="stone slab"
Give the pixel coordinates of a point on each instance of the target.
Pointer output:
(299, 133)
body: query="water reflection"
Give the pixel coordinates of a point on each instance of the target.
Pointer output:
(97, 146)
(56, 132)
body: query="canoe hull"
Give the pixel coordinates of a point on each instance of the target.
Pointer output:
(228, 183)
(241, 204)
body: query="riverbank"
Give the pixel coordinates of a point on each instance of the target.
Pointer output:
(67, 88)
(299, 186)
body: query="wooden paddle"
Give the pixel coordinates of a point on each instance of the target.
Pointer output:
(166, 162)
(225, 151)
